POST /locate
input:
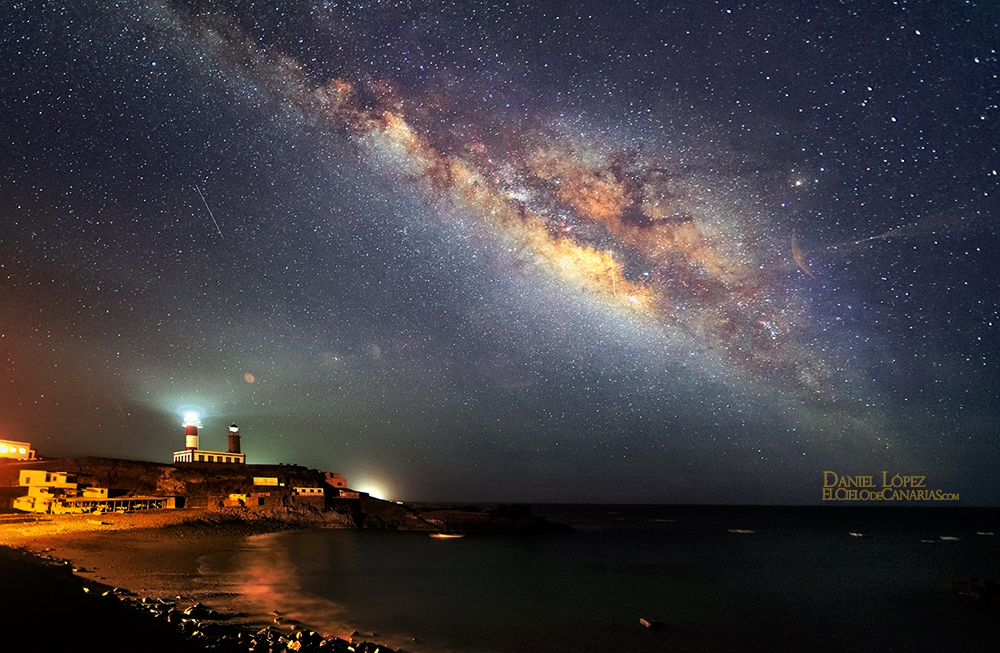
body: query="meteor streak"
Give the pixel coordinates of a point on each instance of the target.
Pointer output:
(942, 224)
(894, 232)
(209, 212)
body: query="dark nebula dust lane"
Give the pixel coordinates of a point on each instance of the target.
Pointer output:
(569, 202)
(508, 250)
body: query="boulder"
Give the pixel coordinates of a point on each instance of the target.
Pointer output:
(199, 611)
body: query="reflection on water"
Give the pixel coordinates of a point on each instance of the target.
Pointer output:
(785, 580)
(268, 580)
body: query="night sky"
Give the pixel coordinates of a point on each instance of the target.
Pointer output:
(509, 251)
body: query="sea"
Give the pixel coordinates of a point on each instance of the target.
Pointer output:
(706, 578)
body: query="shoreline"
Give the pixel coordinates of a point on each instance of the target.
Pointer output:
(163, 562)
(186, 557)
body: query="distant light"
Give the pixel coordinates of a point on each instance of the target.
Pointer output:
(191, 418)
(248, 377)
(372, 490)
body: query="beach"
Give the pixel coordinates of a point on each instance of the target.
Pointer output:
(183, 557)
(209, 558)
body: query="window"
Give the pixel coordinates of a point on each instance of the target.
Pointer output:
(201, 457)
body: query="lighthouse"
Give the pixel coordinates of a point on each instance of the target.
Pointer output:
(234, 438)
(191, 426)
(193, 453)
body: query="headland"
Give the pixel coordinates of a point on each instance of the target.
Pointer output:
(135, 571)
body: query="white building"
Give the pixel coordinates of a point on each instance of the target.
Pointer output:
(16, 450)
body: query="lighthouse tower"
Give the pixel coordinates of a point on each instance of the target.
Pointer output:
(191, 426)
(234, 438)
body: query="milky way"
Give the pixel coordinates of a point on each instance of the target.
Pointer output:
(685, 259)
(610, 253)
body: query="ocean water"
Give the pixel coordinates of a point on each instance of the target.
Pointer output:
(717, 579)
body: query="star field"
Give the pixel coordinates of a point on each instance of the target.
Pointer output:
(508, 251)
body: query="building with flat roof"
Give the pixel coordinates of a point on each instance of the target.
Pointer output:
(16, 450)
(58, 493)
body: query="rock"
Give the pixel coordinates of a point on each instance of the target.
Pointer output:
(372, 647)
(199, 611)
(219, 630)
(336, 644)
(270, 634)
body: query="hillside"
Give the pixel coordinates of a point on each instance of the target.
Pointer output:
(228, 492)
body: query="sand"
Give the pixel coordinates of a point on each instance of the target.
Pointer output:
(190, 556)
(221, 559)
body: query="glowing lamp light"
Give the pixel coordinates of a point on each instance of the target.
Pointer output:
(191, 419)
(372, 490)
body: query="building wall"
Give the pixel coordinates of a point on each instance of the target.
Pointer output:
(251, 500)
(41, 477)
(351, 494)
(16, 450)
(205, 456)
(336, 480)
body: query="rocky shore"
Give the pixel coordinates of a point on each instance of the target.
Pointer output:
(130, 582)
(52, 608)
